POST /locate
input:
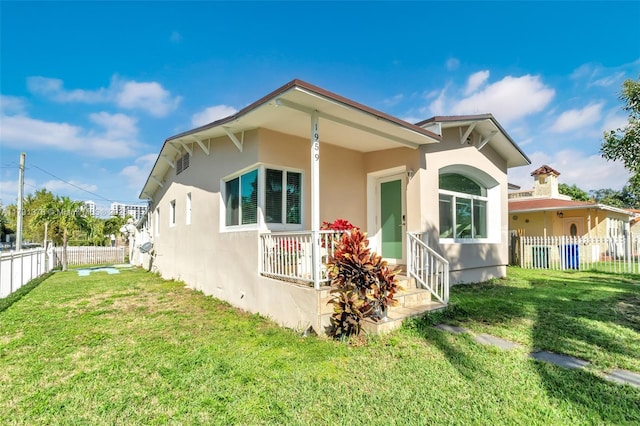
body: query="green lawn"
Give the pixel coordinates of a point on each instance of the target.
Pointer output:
(134, 349)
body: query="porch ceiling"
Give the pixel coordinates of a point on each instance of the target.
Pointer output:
(342, 122)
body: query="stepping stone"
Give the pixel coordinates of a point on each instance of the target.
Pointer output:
(487, 339)
(625, 377)
(452, 328)
(565, 361)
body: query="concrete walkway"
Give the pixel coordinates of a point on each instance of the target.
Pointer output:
(562, 360)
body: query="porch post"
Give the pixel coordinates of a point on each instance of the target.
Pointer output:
(315, 198)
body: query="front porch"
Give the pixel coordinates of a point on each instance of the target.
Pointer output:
(289, 257)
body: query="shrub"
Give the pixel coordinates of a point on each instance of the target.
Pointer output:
(363, 285)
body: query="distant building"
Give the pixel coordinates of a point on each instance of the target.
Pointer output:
(136, 211)
(90, 206)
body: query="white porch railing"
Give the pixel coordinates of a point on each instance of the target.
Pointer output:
(608, 254)
(428, 268)
(289, 255)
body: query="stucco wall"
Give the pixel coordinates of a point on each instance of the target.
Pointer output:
(469, 261)
(222, 264)
(342, 178)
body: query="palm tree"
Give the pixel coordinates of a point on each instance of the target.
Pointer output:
(65, 215)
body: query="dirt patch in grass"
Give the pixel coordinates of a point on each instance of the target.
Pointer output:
(629, 308)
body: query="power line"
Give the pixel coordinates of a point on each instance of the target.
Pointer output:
(71, 184)
(15, 165)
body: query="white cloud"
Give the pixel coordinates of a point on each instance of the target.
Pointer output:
(437, 106)
(57, 186)
(597, 75)
(585, 171)
(175, 37)
(12, 105)
(577, 118)
(614, 121)
(138, 172)
(452, 64)
(211, 114)
(394, 100)
(508, 99)
(150, 97)
(116, 125)
(115, 141)
(53, 88)
(9, 189)
(475, 81)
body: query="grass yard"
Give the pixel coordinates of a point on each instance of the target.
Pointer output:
(135, 349)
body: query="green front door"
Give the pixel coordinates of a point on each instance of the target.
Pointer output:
(391, 220)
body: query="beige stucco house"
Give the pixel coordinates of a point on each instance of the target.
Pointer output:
(236, 205)
(543, 211)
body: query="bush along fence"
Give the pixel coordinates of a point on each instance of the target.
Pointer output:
(607, 254)
(17, 268)
(89, 255)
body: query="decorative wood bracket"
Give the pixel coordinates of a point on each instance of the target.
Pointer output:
(201, 144)
(463, 138)
(234, 139)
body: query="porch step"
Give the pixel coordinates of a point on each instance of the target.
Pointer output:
(406, 282)
(410, 297)
(397, 315)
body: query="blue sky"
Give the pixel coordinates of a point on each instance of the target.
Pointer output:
(91, 90)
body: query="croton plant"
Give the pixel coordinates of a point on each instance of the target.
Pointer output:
(363, 285)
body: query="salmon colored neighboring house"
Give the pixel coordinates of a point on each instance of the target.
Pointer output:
(543, 211)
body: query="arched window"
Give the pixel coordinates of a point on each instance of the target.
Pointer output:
(463, 207)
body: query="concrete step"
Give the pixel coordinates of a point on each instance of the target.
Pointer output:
(407, 298)
(397, 315)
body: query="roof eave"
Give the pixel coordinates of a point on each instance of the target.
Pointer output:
(523, 159)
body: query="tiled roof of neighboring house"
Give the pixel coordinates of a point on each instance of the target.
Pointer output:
(636, 212)
(547, 204)
(542, 204)
(545, 170)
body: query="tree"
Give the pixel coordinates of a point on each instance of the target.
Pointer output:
(66, 216)
(624, 144)
(113, 225)
(34, 203)
(574, 192)
(4, 223)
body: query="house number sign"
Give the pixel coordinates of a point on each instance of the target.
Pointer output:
(316, 142)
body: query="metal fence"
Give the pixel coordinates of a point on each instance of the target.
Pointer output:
(90, 255)
(608, 254)
(19, 267)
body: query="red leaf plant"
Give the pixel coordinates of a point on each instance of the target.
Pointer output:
(362, 285)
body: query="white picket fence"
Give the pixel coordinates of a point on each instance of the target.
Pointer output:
(90, 255)
(608, 254)
(17, 268)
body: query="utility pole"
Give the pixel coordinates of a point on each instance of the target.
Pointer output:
(20, 198)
